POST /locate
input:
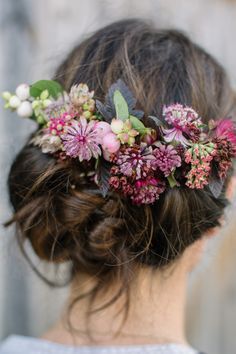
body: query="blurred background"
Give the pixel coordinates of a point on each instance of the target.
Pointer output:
(34, 37)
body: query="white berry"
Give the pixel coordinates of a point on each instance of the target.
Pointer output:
(14, 102)
(23, 92)
(25, 109)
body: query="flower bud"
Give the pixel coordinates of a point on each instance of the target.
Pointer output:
(117, 125)
(46, 103)
(87, 114)
(25, 109)
(110, 143)
(6, 95)
(23, 92)
(35, 104)
(14, 102)
(150, 136)
(131, 140)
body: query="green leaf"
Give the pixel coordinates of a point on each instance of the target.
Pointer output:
(172, 181)
(122, 109)
(137, 124)
(53, 87)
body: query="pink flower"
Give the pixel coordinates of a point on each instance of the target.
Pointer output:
(166, 158)
(82, 140)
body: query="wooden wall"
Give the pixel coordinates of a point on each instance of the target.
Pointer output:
(34, 37)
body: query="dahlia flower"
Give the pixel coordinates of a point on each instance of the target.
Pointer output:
(82, 140)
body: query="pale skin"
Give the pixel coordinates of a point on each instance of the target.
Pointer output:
(157, 306)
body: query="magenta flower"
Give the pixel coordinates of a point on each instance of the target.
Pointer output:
(82, 140)
(183, 121)
(166, 158)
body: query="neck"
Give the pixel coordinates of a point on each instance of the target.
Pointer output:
(156, 312)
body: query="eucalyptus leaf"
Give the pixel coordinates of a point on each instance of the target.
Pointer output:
(53, 88)
(122, 109)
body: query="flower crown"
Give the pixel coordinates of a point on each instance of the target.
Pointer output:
(118, 150)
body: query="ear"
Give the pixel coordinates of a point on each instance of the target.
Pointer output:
(231, 188)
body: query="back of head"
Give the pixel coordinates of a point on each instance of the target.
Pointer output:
(66, 218)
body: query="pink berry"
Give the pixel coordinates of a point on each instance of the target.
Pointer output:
(110, 143)
(117, 125)
(104, 128)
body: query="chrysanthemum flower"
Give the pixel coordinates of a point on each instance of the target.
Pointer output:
(166, 158)
(82, 140)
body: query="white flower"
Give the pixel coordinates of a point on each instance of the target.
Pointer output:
(25, 109)
(48, 143)
(23, 92)
(14, 102)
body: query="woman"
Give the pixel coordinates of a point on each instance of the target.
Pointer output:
(130, 253)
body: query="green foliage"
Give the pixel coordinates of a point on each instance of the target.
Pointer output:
(52, 87)
(121, 106)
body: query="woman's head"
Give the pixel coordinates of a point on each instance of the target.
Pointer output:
(67, 219)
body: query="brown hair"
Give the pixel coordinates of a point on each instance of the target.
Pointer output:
(108, 237)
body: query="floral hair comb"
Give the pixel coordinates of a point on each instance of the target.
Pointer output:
(124, 155)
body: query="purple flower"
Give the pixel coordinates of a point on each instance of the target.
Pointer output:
(135, 161)
(182, 120)
(82, 140)
(166, 158)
